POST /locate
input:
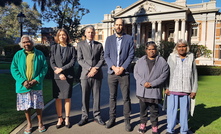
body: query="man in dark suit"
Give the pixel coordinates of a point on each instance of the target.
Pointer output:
(90, 56)
(119, 52)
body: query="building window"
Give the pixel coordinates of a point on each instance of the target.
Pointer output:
(219, 51)
(99, 37)
(100, 33)
(194, 31)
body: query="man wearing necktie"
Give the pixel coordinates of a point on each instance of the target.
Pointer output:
(90, 56)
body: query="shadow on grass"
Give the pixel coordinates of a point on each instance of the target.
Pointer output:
(204, 116)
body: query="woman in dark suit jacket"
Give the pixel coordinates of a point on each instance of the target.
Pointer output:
(62, 62)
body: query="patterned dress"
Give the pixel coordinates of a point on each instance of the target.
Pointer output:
(32, 99)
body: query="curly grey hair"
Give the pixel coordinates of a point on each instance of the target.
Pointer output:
(26, 36)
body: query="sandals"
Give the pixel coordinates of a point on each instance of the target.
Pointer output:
(28, 131)
(41, 129)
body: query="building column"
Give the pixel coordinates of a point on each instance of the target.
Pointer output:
(109, 29)
(153, 30)
(203, 33)
(176, 30)
(159, 30)
(183, 29)
(133, 31)
(138, 33)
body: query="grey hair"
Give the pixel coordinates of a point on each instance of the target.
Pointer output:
(179, 42)
(89, 27)
(26, 36)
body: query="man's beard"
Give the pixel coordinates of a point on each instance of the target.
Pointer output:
(119, 32)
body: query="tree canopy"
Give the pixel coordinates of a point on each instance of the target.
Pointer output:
(67, 15)
(41, 3)
(9, 25)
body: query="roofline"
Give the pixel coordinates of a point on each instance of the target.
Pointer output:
(157, 1)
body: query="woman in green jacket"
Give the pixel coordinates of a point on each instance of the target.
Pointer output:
(29, 68)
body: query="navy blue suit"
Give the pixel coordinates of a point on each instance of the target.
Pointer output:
(126, 52)
(126, 55)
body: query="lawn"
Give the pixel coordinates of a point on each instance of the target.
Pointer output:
(5, 65)
(9, 116)
(206, 119)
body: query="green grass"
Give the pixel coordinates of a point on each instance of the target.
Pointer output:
(206, 119)
(9, 116)
(5, 65)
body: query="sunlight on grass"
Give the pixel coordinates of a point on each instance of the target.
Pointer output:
(206, 119)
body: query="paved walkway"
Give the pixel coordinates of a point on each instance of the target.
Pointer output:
(50, 117)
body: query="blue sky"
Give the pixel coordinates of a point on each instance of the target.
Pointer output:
(100, 7)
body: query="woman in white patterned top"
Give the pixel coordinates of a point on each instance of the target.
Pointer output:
(182, 86)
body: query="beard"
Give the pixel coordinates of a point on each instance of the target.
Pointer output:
(119, 31)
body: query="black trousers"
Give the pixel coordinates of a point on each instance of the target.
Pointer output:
(124, 81)
(154, 112)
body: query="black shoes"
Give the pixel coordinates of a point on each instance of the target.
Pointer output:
(99, 121)
(61, 124)
(127, 126)
(110, 123)
(67, 124)
(82, 122)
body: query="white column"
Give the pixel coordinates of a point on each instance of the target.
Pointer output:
(110, 29)
(163, 32)
(153, 30)
(183, 29)
(203, 33)
(138, 33)
(159, 30)
(176, 30)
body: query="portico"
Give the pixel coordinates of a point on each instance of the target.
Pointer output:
(157, 20)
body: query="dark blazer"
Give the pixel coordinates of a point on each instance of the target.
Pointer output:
(87, 59)
(67, 63)
(126, 52)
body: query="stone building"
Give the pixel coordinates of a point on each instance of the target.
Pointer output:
(158, 20)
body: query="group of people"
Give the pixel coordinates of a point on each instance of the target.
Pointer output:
(178, 76)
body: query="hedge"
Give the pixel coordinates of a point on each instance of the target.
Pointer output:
(10, 50)
(209, 70)
(202, 70)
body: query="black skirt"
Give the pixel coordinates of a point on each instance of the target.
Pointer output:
(62, 89)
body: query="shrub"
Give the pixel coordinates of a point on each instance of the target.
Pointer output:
(140, 51)
(209, 70)
(10, 50)
(45, 50)
(200, 50)
(166, 48)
